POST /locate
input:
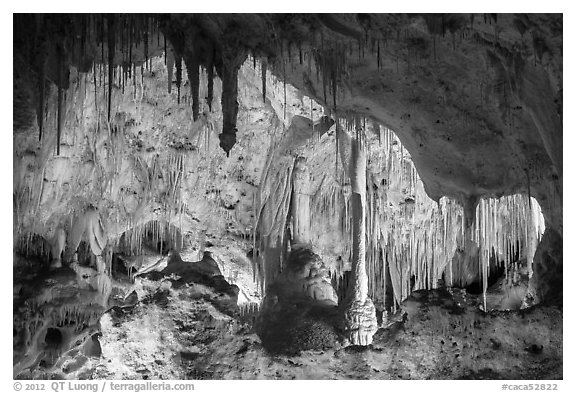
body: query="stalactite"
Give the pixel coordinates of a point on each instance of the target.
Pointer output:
(323, 67)
(146, 45)
(193, 69)
(41, 92)
(130, 39)
(102, 38)
(178, 59)
(378, 55)
(165, 50)
(334, 86)
(232, 60)
(60, 93)
(264, 65)
(210, 96)
(170, 66)
(111, 52)
(284, 80)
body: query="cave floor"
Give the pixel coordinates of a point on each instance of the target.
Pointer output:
(184, 334)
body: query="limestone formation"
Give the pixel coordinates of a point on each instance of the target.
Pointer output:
(359, 311)
(206, 190)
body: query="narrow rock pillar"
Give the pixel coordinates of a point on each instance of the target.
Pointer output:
(360, 322)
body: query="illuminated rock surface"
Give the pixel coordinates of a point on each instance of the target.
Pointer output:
(218, 160)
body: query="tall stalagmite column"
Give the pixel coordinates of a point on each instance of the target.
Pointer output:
(360, 322)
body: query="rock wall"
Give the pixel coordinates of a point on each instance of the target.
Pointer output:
(418, 75)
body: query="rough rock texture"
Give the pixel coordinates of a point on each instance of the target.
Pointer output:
(56, 319)
(305, 276)
(301, 203)
(547, 283)
(441, 336)
(476, 99)
(299, 311)
(476, 345)
(508, 292)
(360, 321)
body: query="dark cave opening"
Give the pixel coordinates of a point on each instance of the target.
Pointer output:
(92, 347)
(53, 338)
(85, 255)
(496, 273)
(119, 268)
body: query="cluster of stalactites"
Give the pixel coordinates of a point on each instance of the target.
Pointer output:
(414, 246)
(79, 316)
(49, 44)
(328, 59)
(248, 308)
(159, 232)
(504, 228)
(30, 244)
(412, 238)
(418, 239)
(161, 173)
(409, 236)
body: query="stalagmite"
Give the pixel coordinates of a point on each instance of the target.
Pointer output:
(359, 311)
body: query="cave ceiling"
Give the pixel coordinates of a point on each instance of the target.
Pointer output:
(475, 98)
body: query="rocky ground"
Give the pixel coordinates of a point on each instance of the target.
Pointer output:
(192, 331)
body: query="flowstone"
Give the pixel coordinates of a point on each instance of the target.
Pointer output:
(360, 323)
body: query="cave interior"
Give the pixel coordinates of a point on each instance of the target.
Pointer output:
(287, 196)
